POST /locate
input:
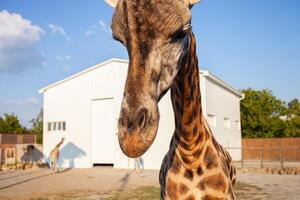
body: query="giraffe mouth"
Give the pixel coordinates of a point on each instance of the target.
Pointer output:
(136, 136)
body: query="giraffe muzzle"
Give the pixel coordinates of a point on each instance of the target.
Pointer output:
(137, 132)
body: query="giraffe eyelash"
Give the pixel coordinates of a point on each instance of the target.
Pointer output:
(187, 27)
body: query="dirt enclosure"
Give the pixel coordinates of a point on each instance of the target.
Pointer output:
(105, 183)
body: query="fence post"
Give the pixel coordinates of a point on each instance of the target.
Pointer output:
(261, 158)
(281, 160)
(243, 158)
(299, 153)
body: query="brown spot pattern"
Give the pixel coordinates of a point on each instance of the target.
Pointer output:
(188, 174)
(199, 171)
(183, 189)
(172, 189)
(216, 182)
(191, 197)
(210, 158)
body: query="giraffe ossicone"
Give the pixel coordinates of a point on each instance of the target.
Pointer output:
(162, 56)
(113, 3)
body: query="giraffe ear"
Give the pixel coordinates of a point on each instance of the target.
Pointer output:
(112, 3)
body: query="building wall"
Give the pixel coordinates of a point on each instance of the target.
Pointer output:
(223, 104)
(71, 101)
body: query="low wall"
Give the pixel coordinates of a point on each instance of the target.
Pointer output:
(17, 138)
(272, 148)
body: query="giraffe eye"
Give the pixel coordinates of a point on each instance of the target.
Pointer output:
(181, 33)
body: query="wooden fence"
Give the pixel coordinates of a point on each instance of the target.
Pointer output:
(17, 138)
(287, 149)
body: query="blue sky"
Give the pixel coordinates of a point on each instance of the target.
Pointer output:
(246, 43)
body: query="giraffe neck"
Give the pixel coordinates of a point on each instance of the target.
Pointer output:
(59, 144)
(189, 133)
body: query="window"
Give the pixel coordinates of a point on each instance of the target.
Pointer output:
(63, 126)
(212, 121)
(10, 153)
(57, 126)
(54, 125)
(226, 123)
(49, 126)
(237, 125)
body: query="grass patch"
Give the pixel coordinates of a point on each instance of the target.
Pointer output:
(144, 193)
(139, 193)
(243, 191)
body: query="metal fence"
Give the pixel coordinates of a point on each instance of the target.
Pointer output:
(267, 156)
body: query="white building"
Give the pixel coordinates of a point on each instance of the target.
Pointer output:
(84, 109)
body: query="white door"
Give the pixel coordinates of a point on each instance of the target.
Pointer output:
(103, 131)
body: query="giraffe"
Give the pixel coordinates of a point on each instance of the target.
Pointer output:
(54, 156)
(162, 55)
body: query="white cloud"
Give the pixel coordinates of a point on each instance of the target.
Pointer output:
(102, 24)
(95, 28)
(104, 27)
(89, 32)
(63, 60)
(56, 29)
(17, 39)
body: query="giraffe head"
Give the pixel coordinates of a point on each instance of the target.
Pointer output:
(155, 34)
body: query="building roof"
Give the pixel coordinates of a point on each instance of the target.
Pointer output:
(205, 73)
(222, 83)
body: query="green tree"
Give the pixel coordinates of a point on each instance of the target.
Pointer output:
(260, 114)
(293, 118)
(293, 108)
(37, 127)
(10, 123)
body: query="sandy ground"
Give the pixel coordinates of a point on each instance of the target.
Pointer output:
(31, 184)
(276, 187)
(38, 183)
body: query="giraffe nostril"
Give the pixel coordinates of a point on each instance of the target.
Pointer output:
(142, 121)
(134, 123)
(142, 118)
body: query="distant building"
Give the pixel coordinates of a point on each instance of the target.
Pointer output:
(17, 148)
(84, 108)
